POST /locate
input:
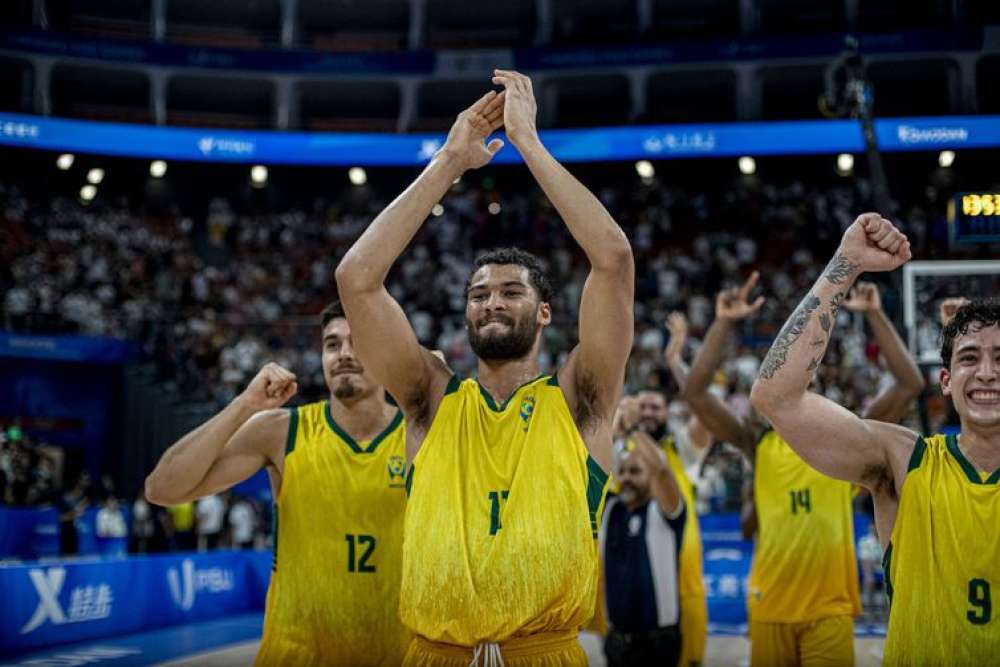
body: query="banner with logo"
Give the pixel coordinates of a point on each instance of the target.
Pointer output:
(72, 601)
(655, 142)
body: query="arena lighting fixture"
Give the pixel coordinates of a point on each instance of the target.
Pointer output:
(645, 169)
(65, 161)
(748, 166)
(494, 208)
(258, 175)
(95, 176)
(438, 210)
(946, 158)
(88, 192)
(157, 168)
(357, 176)
(845, 163)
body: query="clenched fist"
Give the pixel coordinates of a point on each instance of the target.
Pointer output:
(872, 243)
(270, 388)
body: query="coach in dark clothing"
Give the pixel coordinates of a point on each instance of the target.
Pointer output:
(640, 544)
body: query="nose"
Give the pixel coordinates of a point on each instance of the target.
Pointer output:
(346, 350)
(494, 302)
(988, 370)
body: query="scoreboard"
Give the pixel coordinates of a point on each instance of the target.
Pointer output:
(974, 218)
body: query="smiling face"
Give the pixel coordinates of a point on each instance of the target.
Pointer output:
(503, 313)
(345, 376)
(973, 377)
(652, 412)
(634, 479)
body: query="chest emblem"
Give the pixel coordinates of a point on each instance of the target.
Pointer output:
(527, 409)
(397, 472)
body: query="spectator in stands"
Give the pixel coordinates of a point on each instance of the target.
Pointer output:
(182, 526)
(210, 512)
(143, 525)
(111, 528)
(242, 523)
(870, 555)
(71, 506)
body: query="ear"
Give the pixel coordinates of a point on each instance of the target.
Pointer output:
(544, 316)
(945, 380)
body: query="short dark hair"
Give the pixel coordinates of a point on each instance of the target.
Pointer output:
(332, 311)
(984, 312)
(536, 270)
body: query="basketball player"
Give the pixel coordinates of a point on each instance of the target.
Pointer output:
(507, 471)
(804, 580)
(337, 472)
(937, 498)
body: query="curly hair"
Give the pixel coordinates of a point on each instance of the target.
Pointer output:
(979, 312)
(536, 270)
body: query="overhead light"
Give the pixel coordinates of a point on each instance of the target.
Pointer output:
(494, 208)
(65, 161)
(845, 163)
(88, 192)
(95, 176)
(748, 166)
(157, 168)
(438, 210)
(946, 158)
(258, 175)
(357, 176)
(645, 169)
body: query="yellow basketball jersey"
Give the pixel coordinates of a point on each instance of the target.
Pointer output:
(334, 591)
(692, 583)
(804, 567)
(943, 561)
(502, 519)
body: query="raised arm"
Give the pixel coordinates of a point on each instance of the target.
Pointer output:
(382, 335)
(247, 435)
(662, 482)
(827, 436)
(907, 382)
(673, 353)
(593, 376)
(731, 306)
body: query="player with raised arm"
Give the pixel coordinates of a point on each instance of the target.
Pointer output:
(337, 475)
(937, 498)
(507, 470)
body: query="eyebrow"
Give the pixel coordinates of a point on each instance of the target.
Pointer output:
(330, 337)
(508, 283)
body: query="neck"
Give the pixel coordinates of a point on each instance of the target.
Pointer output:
(637, 503)
(362, 418)
(981, 447)
(502, 378)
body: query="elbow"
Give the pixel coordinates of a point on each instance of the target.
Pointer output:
(616, 255)
(916, 385)
(156, 491)
(763, 398)
(352, 276)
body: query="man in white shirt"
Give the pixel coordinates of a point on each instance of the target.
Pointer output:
(242, 521)
(209, 512)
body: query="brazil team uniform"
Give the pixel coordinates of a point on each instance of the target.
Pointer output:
(943, 562)
(694, 607)
(500, 530)
(804, 578)
(334, 591)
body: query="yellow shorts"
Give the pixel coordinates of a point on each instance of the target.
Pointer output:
(549, 649)
(694, 630)
(828, 642)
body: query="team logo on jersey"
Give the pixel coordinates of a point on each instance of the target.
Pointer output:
(527, 409)
(397, 472)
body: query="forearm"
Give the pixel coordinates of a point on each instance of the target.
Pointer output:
(709, 358)
(184, 465)
(902, 366)
(590, 224)
(679, 370)
(799, 348)
(665, 491)
(367, 263)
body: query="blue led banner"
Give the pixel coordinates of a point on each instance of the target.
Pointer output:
(583, 145)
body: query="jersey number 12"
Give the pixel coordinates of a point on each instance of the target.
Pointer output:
(356, 543)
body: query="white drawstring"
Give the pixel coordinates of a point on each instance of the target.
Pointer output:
(490, 653)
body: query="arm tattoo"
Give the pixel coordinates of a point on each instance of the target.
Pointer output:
(796, 324)
(835, 303)
(839, 270)
(825, 322)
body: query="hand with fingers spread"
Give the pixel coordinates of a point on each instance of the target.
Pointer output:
(864, 298)
(733, 304)
(519, 109)
(949, 307)
(872, 243)
(466, 142)
(270, 388)
(677, 325)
